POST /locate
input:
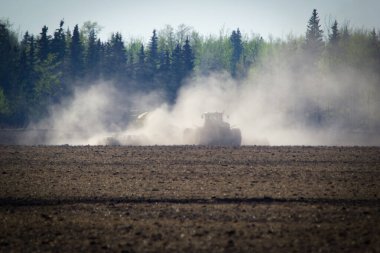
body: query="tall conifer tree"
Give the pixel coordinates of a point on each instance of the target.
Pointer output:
(58, 45)
(188, 57)
(152, 59)
(314, 36)
(237, 50)
(141, 69)
(76, 55)
(92, 61)
(43, 44)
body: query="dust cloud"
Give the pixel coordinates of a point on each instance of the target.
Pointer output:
(273, 105)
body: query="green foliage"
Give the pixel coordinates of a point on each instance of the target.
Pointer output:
(39, 71)
(140, 70)
(334, 37)
(93, 56)
(4, 109)
(43, 44)
(76, 55)
(164, 75)
(87, 28)
(177, 65)
(166, 39)
(333, 49)
(47, 86)
(9, 50)
(314, 36)
(58, 44)
(237, 50)
(152, 58)
(214, 54)
(188, 58)
(116, 58)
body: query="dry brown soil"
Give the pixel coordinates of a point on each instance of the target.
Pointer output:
(189, 199)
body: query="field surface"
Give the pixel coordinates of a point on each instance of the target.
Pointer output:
(189, 199)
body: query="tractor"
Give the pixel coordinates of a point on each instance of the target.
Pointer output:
(215, 132)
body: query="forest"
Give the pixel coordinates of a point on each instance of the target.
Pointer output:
(40, 70)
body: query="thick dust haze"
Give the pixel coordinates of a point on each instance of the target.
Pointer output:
(273, 105)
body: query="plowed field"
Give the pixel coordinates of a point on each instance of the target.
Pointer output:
(189, 199)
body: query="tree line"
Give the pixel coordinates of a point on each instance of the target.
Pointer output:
(40, 70)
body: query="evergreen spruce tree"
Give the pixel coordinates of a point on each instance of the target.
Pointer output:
(26, 66)
(374, 47)
(102, 48)
(117, 56)
(32, 74)
(335, 35)
(92, 61)
(164, 75)
(8, 59)
(333, 45)
(374, 40)
(68, 39)
(58, 44)
(167, 61)
(188, 58)
(59, 50)
(237, 50)
(141, 69)
(164, 61)
(177, 72)
(107, 66)
(177, 64)
(152, 59)
(314, 36)
(26, 78)
(76, 55)
(43, 44)
(131, 66)
(5, 78)
(23, 65)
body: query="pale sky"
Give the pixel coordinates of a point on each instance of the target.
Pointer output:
(137, 19)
